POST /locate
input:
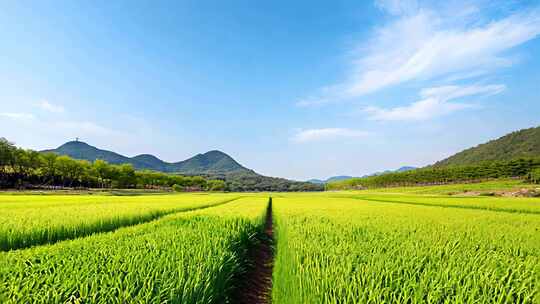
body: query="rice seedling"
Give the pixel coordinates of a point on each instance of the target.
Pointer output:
(339, 250)
(34, 220)
(189, 257)
(503, 204)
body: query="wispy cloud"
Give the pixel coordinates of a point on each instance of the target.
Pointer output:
(434, 102)
(423, 44)
(327, 134)
(421, 47)
(17, 116)
(47, 106)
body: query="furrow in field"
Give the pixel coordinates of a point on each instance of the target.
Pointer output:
(41, 235)
(254, 286)
(449, 205)
(188, 257)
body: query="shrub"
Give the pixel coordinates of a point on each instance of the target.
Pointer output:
(177, 188)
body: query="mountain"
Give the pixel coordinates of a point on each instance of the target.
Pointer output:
(344, 177)
(209, 162)
(338, 178)
(405, 168)
(401, 169)
(519, 144)
(212, 161)
(212, 164)
(330, 179)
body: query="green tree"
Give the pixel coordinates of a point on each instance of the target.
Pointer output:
(215, 185)
(48, 161)
(102, 171)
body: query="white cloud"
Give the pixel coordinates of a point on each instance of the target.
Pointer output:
(17, 116)
(423, 47)
(434, 46)
(47, 106)
(327, 134)
(435, 102)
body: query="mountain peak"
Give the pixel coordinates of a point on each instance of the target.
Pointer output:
(75, 143)
(216, 153)
(145, 157)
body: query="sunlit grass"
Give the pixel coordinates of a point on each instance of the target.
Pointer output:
(27, 220)
(340, 250)
(189, 257)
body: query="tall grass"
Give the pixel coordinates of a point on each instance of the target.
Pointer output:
(339, 250)
(35, 220)
(190, 257)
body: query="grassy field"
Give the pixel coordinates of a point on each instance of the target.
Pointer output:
(457, 189)
(188, 257)
(28, 220)
(407, 245)
(344, 250)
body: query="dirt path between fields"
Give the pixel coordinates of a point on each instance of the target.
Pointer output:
(256, 284)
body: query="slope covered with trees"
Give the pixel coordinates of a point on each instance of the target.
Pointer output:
(514, 155)
(444, 175)
(520, 144)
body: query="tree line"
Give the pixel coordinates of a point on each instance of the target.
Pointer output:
(22, 168)
(522, 167)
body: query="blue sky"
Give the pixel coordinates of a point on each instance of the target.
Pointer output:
(301, 90)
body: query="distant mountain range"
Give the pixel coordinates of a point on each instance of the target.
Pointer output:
(345, 177)
(401, 169)
(519, 144)
(330, 179)
(212, 162)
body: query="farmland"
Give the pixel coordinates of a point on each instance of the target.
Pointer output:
(187, 257)
(405, 246)
(32, 220)
(337, 250)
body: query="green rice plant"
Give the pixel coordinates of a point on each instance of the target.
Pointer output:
(486, 186)
(189, 257)
(28, 220)
(503, 204)
(340, 250)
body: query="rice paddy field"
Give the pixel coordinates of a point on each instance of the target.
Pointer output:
(399, 246)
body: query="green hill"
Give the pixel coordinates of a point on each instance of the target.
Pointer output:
(212, 164)
(209, 162)
(519, 144)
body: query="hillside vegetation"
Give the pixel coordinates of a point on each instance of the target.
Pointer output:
(444, 175)
(514, 155)
(520, 144)
(209, 162)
